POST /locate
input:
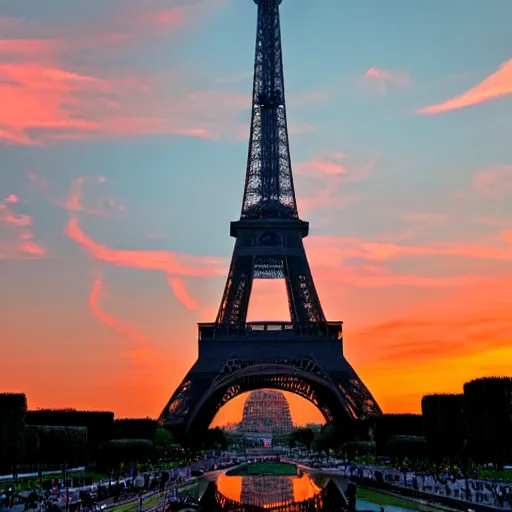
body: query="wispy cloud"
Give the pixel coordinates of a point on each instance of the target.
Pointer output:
(494, 86)
(179, 288)
(17, 240)
(494, 182)
(381, 79)
(140, 349)
(75, 198)
(172, 263)
(324, 178)
(50, 95)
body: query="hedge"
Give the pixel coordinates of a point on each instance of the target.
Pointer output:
(51, 444)
(410, 447)
(389, 425)
(115, 452)
(134, 428)
(99, 423)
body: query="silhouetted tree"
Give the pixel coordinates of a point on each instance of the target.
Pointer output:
(351, 449)
(13, 408)
(444, 425)
(304, 436)
(215, 438)
(55, 445)
(488, 408)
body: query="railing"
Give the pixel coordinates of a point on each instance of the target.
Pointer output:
(271, 330)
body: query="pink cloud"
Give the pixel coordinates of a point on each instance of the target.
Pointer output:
(17, 241)
(46, 99)
(494, 182)
(27, 47)
(335, 164)
(323, 178)
(494, 86)
(11, 199)
(419, 222)
(37, 97)
(179, 288)
(329, 164)
(75, 198)
(381, 79)
(175, 265)
(172, 263)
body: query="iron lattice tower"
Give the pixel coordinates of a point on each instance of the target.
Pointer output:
(303, 355)
(269, 233)
(269, 192)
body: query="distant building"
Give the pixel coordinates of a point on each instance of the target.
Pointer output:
(266, 412)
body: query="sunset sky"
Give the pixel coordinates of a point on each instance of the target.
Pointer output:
(123, 143)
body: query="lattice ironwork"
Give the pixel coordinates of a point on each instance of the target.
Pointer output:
(269, 244)
(269, 190)
(234, 365)
(268, 268)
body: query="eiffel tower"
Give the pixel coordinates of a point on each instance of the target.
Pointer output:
(303, 355)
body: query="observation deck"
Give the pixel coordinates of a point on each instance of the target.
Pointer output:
(261, 331)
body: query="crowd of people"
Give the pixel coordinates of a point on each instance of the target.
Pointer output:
(445, 483)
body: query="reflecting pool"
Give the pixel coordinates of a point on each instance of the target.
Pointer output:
(267, 490)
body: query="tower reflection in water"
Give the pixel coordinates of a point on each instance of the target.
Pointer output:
(267, 490)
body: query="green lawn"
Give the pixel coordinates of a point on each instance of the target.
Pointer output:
(134, 505)
(384, 499)
(264, 469)
(495, 475)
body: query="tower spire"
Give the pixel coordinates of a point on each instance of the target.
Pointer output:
(269, 233)
(269, 190)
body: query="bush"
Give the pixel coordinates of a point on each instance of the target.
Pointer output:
(13, 408)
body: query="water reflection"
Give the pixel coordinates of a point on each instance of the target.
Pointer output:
(267, 491)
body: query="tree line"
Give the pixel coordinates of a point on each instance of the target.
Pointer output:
(472, 427)
(475, 425)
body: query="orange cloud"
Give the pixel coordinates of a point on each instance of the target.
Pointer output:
(17, 240)
(382, 78)
(438, 345)
(494, 86)
(494, 182)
